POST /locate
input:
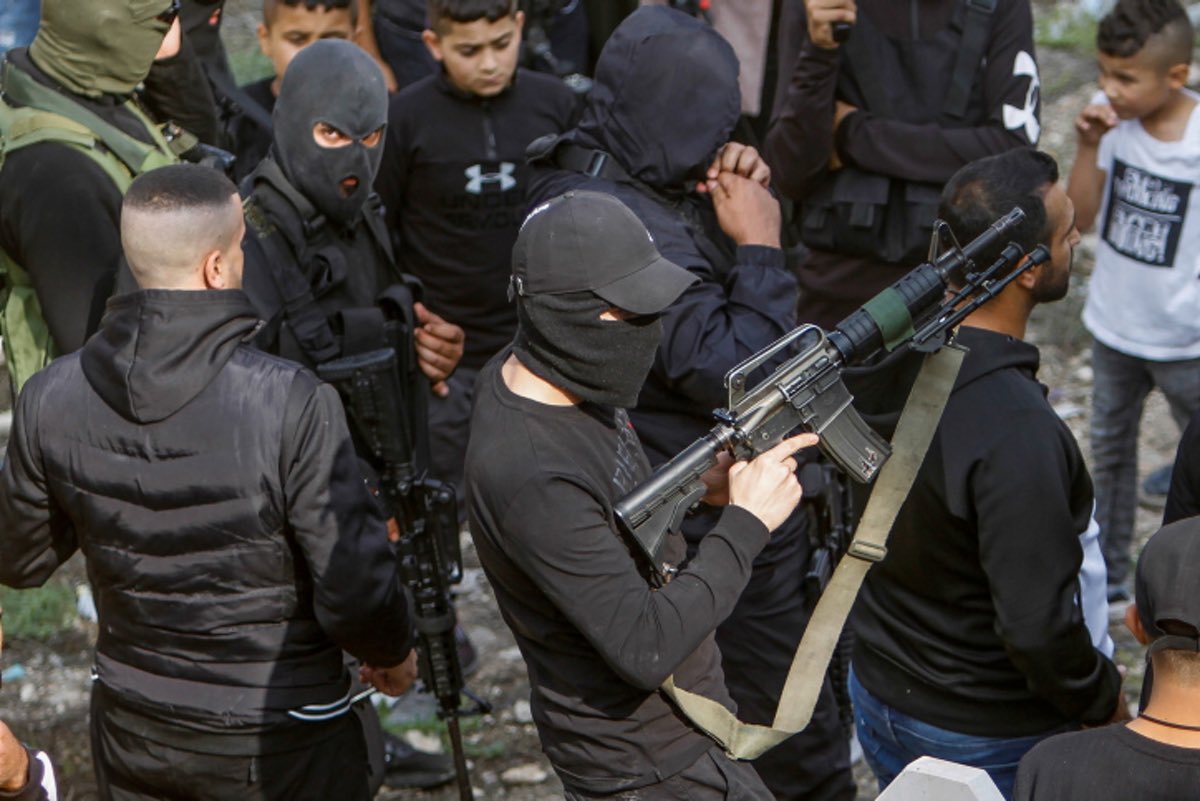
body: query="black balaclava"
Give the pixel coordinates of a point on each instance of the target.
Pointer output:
(96, 47)
(336, 83)
(665, 98)
(562, 339)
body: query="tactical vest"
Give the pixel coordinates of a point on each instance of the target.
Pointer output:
(30, 114)
(936, 80)
(302, 269)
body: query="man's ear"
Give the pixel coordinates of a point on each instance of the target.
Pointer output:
(433, 43)
(215, 271)
(1133, 622)
(264, 38)
(1028, 279)
(519, 17)
(1177, 76)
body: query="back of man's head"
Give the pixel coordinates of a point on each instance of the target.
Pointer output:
(95, 47)
(172, 219)
(987, 189)
(1168, 600)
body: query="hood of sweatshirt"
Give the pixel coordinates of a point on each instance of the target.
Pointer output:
(158, 349)
(881, 389)
(665, 97)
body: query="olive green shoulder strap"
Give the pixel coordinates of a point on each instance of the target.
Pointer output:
(45, 115)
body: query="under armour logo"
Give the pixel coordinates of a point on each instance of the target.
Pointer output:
(478, 177)
(1017, 118)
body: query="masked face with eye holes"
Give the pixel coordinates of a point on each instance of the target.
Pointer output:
(329, 121)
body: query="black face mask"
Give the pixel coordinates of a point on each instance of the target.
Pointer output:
(336, 180)
(562, 339)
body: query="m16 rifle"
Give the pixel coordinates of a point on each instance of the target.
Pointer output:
(426, 513)
(806, 390)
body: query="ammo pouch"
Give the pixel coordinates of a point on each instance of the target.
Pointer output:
(935, 80)
(856, 213)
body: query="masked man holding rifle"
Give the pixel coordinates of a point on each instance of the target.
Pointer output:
(551, 451)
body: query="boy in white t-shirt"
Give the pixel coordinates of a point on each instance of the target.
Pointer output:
(1138, 165)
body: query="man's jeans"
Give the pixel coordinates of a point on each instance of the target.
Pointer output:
(18, 23)
(890, 740)
(1121, 384)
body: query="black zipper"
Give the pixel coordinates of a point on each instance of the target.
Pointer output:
(489, 134)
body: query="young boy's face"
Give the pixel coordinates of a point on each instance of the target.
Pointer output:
(293, 28)
(480, 57)
(1139, 85)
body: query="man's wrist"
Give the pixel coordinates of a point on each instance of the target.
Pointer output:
(21, 776)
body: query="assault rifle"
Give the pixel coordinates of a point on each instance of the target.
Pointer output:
(806, 390)
(427, 514)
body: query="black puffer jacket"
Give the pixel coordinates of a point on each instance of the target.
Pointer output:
(229, 538)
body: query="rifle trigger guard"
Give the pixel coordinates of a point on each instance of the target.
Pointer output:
(867, 551)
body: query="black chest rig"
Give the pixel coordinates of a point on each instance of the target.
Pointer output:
(920, 81)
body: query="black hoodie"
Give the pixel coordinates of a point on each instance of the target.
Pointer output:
(233, 550)
(971, 622)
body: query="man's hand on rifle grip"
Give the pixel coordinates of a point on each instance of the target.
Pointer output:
(391, 681)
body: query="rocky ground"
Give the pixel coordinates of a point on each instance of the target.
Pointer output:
(48, 704)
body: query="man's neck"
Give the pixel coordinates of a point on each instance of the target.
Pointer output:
(1174, 703)
(1168, 123)
(522, 381)
(1007, 313)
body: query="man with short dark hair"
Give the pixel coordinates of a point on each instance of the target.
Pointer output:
(969, 642)
(552, 450)
(232, 546)
(1155, 756)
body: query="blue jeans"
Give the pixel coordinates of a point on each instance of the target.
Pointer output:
(890, 740)
(18, 23)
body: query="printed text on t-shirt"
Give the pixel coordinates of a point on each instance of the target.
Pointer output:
(1145, 214)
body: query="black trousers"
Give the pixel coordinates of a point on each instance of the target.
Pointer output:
(712, 777)
(130, 767)
(757, 643)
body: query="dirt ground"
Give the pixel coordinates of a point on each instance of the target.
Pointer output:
(48, 707)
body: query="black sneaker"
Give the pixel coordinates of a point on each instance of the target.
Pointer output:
(406, 767)
(1155, 488)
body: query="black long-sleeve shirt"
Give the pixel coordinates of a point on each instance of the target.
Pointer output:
(801, 141)
(596, 638)
(453, 183)
(1003, 113)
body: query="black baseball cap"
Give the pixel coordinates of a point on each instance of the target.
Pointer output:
(591, 242)
(1168, 585)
